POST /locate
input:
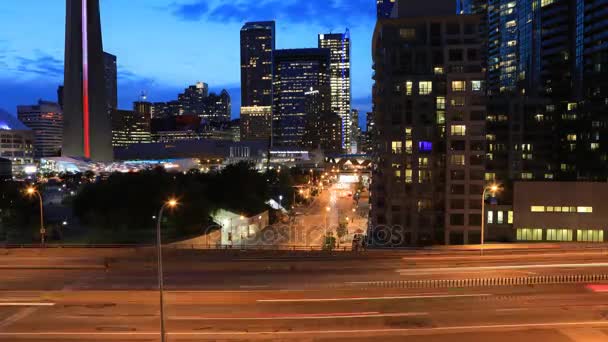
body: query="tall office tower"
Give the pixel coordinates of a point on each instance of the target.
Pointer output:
(110, 75)
(591, 68)
(339, 76)
(87, 131)
(45, 119)
(217, 108)
(143, 106)
(355, 137)
(323, 128)
(192, 100)
(295, 73)
(369, 132)
(384, 8)
(257, 48)
(130, 127)
(166, 109)
(429, 129)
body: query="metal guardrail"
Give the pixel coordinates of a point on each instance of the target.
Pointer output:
(238, 247)
(481, 282)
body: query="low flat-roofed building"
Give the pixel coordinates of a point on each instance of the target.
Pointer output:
(560, 211)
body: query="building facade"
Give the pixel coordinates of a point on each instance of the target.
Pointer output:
(339, 78)
(45, 119)
(297, 72)
(87, 127)
(16, 142)
(429, 129)
(110, 75)
(323, 127)
(130, 127)
(257, 50)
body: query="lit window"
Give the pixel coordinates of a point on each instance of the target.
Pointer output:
(544, 3)
(457, 160)
(407, 33)
(490, 217)
(557, 209)
(594, 146)
(440, 102)
(425, 146)
(458, 130)
(549, 209)
(548, 176)
(537, 209)
(511, 23)
(584, 209)
(499, 217)
(559, 235)
(438, 70)
(408, 87)
(510, 217)
(458, 85)
(477, 85)
(425, 87)
(572, 106)
(397, 147)
(490, 176)
(408, 146)
(527, 234)
(571, 137)
(408, 176)
(526, 175)
(408, 132)
(590, 235)
(423, 161)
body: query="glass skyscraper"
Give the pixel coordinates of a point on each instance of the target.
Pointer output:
(339, 76)
(257, 47)
(297, 72)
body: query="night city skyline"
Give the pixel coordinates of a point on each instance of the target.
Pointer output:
(164, 58)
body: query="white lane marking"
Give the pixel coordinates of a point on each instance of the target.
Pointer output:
(254, 286)
(26, 304)
(357, 315)
(504, 267)
(520, 326)
(512, 309)
(17, 316)
(304, 300)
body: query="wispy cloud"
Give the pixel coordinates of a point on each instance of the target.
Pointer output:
(42, 64)
(323, 12)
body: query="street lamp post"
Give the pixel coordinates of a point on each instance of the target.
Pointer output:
(32, 191)
(172, 203)
(493, 189)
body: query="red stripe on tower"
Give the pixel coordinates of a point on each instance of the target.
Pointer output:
(85, 82)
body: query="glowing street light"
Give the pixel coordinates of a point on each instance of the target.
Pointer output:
(171, 203)
(32, 191)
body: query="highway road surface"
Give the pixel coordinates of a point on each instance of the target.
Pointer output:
(299, 297)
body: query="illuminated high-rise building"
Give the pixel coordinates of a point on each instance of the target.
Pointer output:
(296, 72)
(45, 119)
(110, 77)
(339, 77)
(257, 48)
(87, 126)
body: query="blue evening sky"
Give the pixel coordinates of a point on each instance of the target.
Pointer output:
(164, 45)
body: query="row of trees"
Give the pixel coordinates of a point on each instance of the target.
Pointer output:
(123, 207)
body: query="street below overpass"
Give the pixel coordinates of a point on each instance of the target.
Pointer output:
(70, 295)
